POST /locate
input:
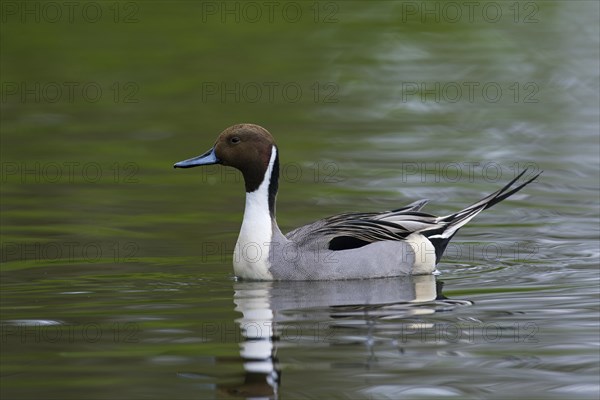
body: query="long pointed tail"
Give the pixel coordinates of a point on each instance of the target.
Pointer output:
(459, 219)
(448, 226)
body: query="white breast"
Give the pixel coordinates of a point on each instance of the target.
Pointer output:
(251, 254)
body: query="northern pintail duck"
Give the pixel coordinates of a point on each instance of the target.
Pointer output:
(356, 245)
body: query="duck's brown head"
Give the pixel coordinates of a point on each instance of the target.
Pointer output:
(247, 147)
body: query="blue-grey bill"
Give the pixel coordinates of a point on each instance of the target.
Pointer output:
(207, 158)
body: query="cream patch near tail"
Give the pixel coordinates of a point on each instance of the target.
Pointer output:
(424, 254)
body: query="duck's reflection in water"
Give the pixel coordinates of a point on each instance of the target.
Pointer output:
(269, 309)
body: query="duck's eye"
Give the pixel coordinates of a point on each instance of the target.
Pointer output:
(234, 140)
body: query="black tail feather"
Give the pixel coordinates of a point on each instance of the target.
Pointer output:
(498, 199)
(441, 235)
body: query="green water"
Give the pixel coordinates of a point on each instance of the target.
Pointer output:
(116, 277)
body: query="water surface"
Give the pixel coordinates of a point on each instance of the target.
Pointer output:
(116, 270)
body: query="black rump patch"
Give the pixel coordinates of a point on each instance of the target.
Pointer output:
(346, 243)
(439, 244)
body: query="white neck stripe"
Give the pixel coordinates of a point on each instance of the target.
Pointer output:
(251, 255)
